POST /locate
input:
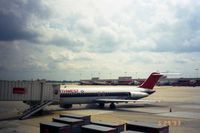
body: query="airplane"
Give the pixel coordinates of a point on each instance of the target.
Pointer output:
(107, 94)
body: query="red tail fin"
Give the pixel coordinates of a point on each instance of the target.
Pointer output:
(150, 82)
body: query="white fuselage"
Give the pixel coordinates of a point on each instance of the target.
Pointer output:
(78, 94)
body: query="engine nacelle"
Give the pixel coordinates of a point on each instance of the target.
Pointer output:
(137, 95)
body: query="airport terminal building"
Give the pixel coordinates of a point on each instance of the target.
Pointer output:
(128, 80)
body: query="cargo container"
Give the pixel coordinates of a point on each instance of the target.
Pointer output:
(85, 118)
(74, 123)
(54, 127)
(97, 129)
(147, 127)
(119, 127)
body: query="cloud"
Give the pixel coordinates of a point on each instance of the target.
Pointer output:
(52, 39)
(20, 55)
(106, 41)
(159, 27)
(181, 34)
(69, 43)
(16, 16)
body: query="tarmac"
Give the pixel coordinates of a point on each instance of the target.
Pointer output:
(179, 107)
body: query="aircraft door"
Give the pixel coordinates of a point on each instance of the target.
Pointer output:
(56, 92)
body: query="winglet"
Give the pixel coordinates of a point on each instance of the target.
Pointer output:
(150, 82)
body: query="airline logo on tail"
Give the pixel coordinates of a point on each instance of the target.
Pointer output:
(151, 81)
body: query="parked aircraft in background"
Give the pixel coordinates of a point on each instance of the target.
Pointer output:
(107, 94)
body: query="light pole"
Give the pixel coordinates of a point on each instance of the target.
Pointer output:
(136, 75)
(125, 73)
(197, 71)
(99, 74)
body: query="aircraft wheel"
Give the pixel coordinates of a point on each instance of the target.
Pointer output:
(66, 106)
(101, 105)
(112, 106)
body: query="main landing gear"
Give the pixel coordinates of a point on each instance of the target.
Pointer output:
(66, 106)
(101, 105)
(112, 106)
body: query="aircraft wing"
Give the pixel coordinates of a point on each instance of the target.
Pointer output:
(123, 100)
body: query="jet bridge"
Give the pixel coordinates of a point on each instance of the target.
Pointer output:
(38, 94)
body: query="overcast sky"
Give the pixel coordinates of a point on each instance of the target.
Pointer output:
(77, 39)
